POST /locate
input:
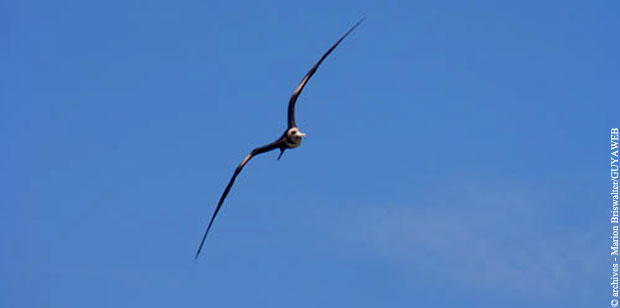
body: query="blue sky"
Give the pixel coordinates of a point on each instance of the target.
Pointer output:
(457, 153)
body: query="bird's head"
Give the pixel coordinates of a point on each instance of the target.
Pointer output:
(295, 135)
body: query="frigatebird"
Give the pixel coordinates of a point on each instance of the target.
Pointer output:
(289, 140)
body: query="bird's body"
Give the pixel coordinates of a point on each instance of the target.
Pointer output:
(289, 140)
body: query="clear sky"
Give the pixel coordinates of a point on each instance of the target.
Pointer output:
(457, 153)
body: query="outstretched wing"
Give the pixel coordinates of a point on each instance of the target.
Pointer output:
(260, 150)
(302, 84)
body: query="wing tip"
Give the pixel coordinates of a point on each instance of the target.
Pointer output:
(358, 22)
(198, 251)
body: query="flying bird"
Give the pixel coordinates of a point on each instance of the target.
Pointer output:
(289, 140)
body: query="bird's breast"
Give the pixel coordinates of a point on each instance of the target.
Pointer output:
(292, 143)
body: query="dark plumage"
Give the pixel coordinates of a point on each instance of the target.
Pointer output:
(290, 139)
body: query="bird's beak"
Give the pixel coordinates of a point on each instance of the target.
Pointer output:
(302, 134)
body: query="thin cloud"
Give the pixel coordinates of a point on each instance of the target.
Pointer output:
(481, 237)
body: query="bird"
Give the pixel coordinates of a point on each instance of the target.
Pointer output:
(290, 139)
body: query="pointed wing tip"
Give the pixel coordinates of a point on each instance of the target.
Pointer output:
(197, 253)
(359, 22)
(204, 237)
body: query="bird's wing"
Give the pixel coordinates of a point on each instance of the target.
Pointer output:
(302, 84)
(272, 146)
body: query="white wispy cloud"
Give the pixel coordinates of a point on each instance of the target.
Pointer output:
(483, 237)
